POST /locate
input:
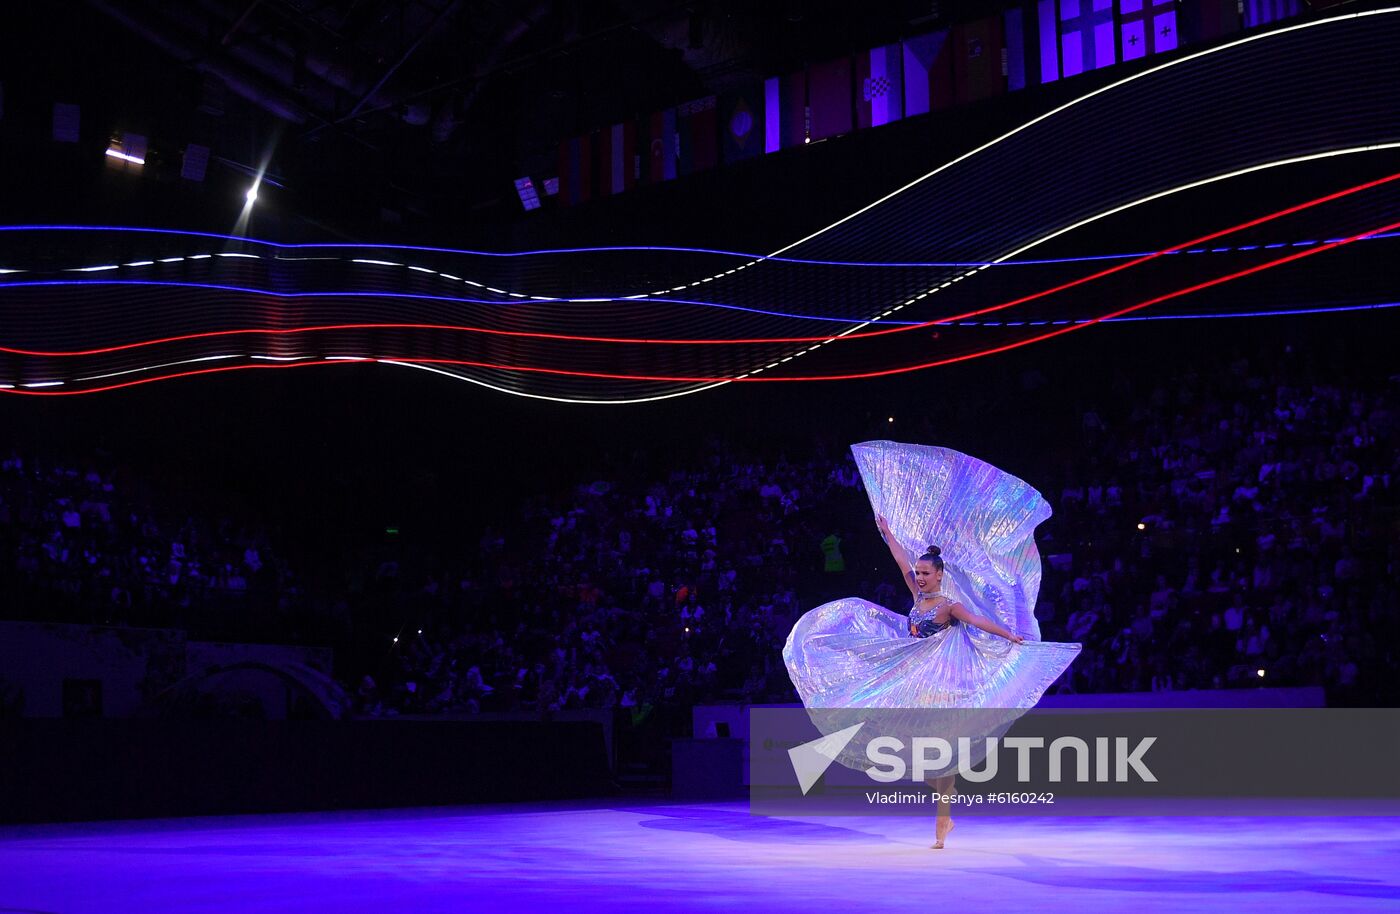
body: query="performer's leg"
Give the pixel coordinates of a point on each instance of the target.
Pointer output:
(945, 787)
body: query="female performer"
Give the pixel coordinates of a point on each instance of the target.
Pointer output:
(971, 639)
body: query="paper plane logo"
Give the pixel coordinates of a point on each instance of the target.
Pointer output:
(810, 760)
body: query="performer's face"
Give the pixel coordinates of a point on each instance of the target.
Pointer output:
(926, 577)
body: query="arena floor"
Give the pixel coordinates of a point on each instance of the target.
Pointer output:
(619, 856)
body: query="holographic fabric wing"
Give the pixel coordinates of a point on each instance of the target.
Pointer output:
(983, 519)
(850, 656)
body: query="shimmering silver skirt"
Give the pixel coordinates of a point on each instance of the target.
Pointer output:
(852, 653)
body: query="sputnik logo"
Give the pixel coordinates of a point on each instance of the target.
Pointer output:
(810, 760)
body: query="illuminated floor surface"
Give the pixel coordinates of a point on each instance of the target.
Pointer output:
(621, 856)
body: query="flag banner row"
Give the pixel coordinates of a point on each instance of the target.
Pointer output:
(1035, 42)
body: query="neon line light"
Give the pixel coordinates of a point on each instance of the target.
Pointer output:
(821, 340)
(1329, 309)
(602, 375)
(1105, 214)
(1258, 268)
(978, 266)
(126, 157)
(531, 396)
(114, 374)
(186, 374)
(1331, 20)
(1083, 98)
(875, 264)
(1144, 73)
(412, 296)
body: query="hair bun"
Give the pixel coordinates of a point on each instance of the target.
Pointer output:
(933, 551)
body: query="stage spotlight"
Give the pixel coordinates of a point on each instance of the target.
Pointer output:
(420, 631)
(1259, 673)
(1141, 525)
(130, 148)
(252, 195)
(396, 639)
(891, 419)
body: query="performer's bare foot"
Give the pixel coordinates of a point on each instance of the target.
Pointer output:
(945, 825)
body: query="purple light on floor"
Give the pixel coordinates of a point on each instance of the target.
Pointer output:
(616, 855)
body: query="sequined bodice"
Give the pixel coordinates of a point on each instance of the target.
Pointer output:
(921, 616)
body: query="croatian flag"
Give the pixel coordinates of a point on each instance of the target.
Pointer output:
(1147, 27)
(879, 86)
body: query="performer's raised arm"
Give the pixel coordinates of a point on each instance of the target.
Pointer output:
(902, 558)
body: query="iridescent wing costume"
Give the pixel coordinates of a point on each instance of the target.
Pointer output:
(853, 654)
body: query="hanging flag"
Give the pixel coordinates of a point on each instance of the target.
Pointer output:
(1013, 55)
(1087, 39)
(697, 135)
(741, 123)
(928, 73)
(879, 90)
(1263, 12)
(602, 161)
(1146, 27)
(977, 63)
(195, 162)
(1207, 20)
(575, 170)
(66, 120)
(1048, 30)
(784, 111)
(661, 146)
(829, 98)
(617, 151)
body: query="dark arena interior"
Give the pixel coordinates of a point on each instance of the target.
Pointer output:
(461, 455)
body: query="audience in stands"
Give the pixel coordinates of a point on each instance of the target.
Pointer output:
(1220, 528)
